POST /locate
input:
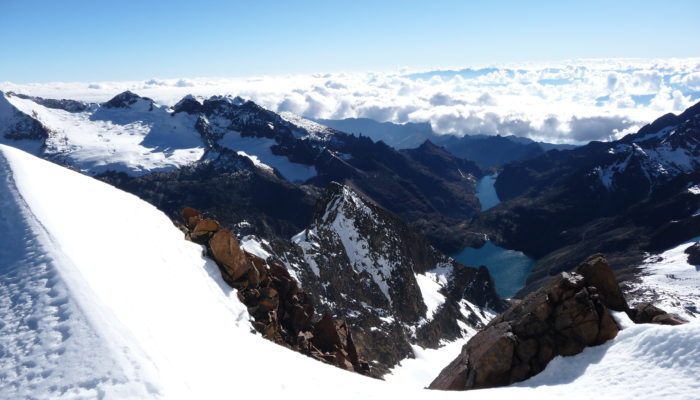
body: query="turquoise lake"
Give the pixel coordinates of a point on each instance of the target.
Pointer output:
(509, 268)
(486, 192)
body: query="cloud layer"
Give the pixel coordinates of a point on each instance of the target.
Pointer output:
(575, 101)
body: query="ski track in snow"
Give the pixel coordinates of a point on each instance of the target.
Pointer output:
(42, 327)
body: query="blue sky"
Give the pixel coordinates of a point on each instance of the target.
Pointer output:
(125, 40)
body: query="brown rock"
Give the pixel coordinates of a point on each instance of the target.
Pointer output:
(608, 328)
(269, 299)
(204, 230)
(643, 313)
(597, 272)
(191, 217)
(527, 349)
(225, 250)
(281, 311)
(485, 361)
(253, 277)
(259, 264)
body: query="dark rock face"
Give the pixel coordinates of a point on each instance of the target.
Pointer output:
(693, 254)
(428, 187)
(560, 319)
(360, 261)
(26, 128)
(282, 312)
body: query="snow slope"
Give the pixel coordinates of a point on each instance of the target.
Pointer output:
(100, 297)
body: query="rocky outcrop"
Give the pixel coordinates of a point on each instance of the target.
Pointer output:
(560, 319)
(563, 318)
(282, 312)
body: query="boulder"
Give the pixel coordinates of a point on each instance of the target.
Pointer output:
(229, 256)
(559, 319)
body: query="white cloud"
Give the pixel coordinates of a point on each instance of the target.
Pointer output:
(564, 102)
(692, 80)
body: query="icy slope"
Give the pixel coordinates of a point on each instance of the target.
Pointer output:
(100, 297)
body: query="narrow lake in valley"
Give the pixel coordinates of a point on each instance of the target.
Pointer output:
(486, 192)
(509, 268)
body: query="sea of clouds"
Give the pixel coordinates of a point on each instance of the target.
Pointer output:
(567, 102)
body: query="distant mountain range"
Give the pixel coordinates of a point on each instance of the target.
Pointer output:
(487, 151)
